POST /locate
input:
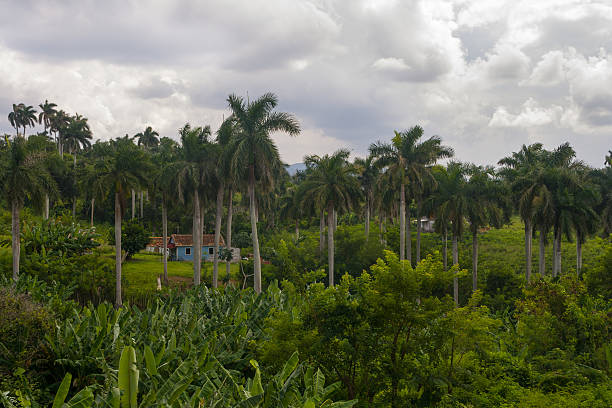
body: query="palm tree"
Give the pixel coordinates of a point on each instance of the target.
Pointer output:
(255, 155)
(58, 123)
(290, 208)
(93, 182)
(194, 170)
(125, 169)
(23, 175)
(529, 194)
(413, 160)
(368, 176)
(14, 118)
(486, 205)
(333, 184)
(47, 112)
(165, 185)
(451, 207)
(76, 135)
(149, 138)
(22, 116)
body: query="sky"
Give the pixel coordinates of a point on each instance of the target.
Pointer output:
(485, 75)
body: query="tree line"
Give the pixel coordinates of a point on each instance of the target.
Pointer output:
(550, 190)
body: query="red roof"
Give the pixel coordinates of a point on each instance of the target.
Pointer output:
(187, 240)
(155, 241)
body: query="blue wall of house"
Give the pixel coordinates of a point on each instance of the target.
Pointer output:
(181, 253)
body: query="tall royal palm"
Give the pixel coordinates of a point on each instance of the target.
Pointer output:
(255, 155)
(451, 205)
(47, 112)
(23, 174)
(126, 168)
(149, 138)
(333, 184)
(22, 116)
(165, 186)
(194, 171)
(368, 176)
(530, 196)
(486, 205)
(412, 159)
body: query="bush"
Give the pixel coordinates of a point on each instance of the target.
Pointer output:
(134, 237)
(23, 325)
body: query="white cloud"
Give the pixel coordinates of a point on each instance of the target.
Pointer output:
(531, 115)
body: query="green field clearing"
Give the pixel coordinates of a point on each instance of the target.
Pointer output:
(142, 270)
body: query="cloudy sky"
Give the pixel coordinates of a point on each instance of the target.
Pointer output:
(485, 75)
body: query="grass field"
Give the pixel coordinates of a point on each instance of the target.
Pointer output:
(142, 270)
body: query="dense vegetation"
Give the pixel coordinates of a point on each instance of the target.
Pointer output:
(344, 295)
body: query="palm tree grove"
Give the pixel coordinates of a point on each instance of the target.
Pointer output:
(184, 242)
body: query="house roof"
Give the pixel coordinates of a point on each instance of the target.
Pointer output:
(155, 241)
(187, 240)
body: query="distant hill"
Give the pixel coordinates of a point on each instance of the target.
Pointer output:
(293, 168)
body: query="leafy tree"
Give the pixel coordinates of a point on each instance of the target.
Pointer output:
(255, 156)
(134, 238)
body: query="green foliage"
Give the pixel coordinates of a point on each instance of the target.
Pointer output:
(56, 238)
(134, 237)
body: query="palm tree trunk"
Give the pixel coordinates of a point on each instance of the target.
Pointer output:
(474, 260)
(141, 204)
(16, 238)
(228, 243)
(196, 239)
(321, 234)
(118, 302)
(297, 230)
(554, 253)
(133, 204)
(335, 220)
(578, 254)
(165, 240)
(46, 211)
(367, 220)
(418, 234)
(557, 253)
(92, 210)
(380, 228)
(528, 246)
(402, 217)
(218, 216)
(445, 251)
(455, 262)
(330, 244)
(408, 236)
(74, 200)
(256, 258)
(542, 254)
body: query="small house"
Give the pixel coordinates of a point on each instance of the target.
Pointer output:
(427, 224)
(155, 245)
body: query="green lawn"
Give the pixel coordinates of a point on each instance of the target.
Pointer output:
(142, 270)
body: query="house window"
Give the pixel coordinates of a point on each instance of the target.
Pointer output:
(210, 251)
(188, 251)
